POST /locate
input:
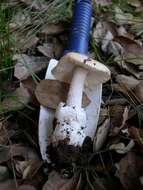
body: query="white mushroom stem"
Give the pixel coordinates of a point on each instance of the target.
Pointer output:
(76, 88)
(71, 117)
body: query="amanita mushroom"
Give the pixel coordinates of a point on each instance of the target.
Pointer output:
(71, 117)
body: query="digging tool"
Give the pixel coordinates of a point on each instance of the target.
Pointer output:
(74, 123)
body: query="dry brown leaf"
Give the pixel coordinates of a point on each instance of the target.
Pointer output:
(140, 67)
(139, 91)
(20, 18)
(36, 4)
(30, 43)
(26, 187)
(101, 30)
(134, 58)
(11, 185)
(46, 49)
(135, 3)
(4, 173)
(101, 135)
(27, 169)
(130, 68)
(129, 169)
(121, 148)
(58, 49)
(17, 100)
(116, 101)
(56, 182)
(104, 113)
(17, 150)
(122, 17)
(27, 65)
(53, 29)
(8, 185)
(122, 113)
(125, 116)
(129, 45)
(128, 81)
(103, 2)
(116, 112)
(51, 92)
(135, 133)
(30, 85)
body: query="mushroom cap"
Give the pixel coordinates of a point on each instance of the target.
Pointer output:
(98, 72)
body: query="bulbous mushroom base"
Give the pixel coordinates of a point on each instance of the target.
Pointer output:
(66, 156)
(70, 125)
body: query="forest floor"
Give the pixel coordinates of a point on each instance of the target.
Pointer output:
(31, 33)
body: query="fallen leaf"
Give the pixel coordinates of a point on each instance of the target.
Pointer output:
(135, 133)
(120, 112)
(17, 150)
(17, 100)
(121, 148)
(4, 173)
(30, 85)
(128, 81)
(104, 34)
(116, 101)
(36, 4)
(27, 169)
(135, 3)
(8, 185)
(29, 44)
(58, 48)
(115, 48)
(125, 116)
(139, 91)
(103, 2)
(124, 33)
(21, 18)
(134, 58)
(101, 30)
(115, 113)
(11, 185)
(129, 45)
(46, 49)
(129, 169)
(122, 17)
(106, 41)
(26, 187)
(53, 29)
(104, 113)
(26, 65)
(51, 92)
(101, 135)
(56, 182)
(129, 67)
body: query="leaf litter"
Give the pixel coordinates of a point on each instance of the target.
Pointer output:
(114, 159)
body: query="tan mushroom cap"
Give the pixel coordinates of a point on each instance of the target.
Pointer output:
(98, 72)
(50, 93)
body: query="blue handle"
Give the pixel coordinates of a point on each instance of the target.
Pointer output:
(81, 24)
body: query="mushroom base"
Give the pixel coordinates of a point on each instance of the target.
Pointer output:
(65, 156)
(70, 126)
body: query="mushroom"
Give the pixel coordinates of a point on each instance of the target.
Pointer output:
(70, 116)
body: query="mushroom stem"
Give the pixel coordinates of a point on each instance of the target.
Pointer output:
(71, 118)
(76, 88)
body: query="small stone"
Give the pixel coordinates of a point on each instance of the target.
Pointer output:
(4, 174)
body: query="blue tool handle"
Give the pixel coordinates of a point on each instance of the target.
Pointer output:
(81, 25)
